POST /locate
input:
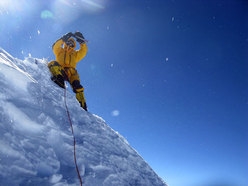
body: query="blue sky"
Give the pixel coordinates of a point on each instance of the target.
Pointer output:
(170, 76)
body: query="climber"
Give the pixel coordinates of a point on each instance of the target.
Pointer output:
(63, 68)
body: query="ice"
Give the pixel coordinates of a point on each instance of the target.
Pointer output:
(36, 143)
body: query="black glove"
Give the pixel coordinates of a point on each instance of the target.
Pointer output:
(66, 36)
(79, 37)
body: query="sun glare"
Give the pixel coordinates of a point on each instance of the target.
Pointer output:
(92, 5)
(72, 9)
(18, 10)
(6, 6)
(15, 6)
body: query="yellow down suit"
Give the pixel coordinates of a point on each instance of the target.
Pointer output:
(63, 68)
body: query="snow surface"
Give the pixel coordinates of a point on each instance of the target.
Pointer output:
(36, 143)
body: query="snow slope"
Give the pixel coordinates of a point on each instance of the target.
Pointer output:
(36, 142)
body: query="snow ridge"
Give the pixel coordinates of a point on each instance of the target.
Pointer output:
(36, 144)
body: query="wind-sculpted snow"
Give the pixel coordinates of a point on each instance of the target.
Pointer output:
(36, 143)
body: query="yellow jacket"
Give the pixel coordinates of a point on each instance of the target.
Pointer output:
(68, 57)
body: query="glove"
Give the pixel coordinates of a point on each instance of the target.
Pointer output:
(66, 36)
(79, 37)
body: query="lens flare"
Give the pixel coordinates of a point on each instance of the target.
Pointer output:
(46, 14)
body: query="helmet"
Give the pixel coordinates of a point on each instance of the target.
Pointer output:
(71, 43)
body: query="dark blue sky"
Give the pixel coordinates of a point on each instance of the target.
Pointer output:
(170, 76)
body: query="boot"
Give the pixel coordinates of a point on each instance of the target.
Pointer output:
(59, 80)
(81, 100)
(58, 74)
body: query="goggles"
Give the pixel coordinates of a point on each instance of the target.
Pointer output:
(70, 43)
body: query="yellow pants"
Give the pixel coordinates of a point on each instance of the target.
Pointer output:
(61, 74)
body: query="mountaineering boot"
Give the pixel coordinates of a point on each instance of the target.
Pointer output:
(81, 100)
(76, 86)
(58, 74)
(59, 80)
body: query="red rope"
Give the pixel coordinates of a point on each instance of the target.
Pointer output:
(74, 140)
